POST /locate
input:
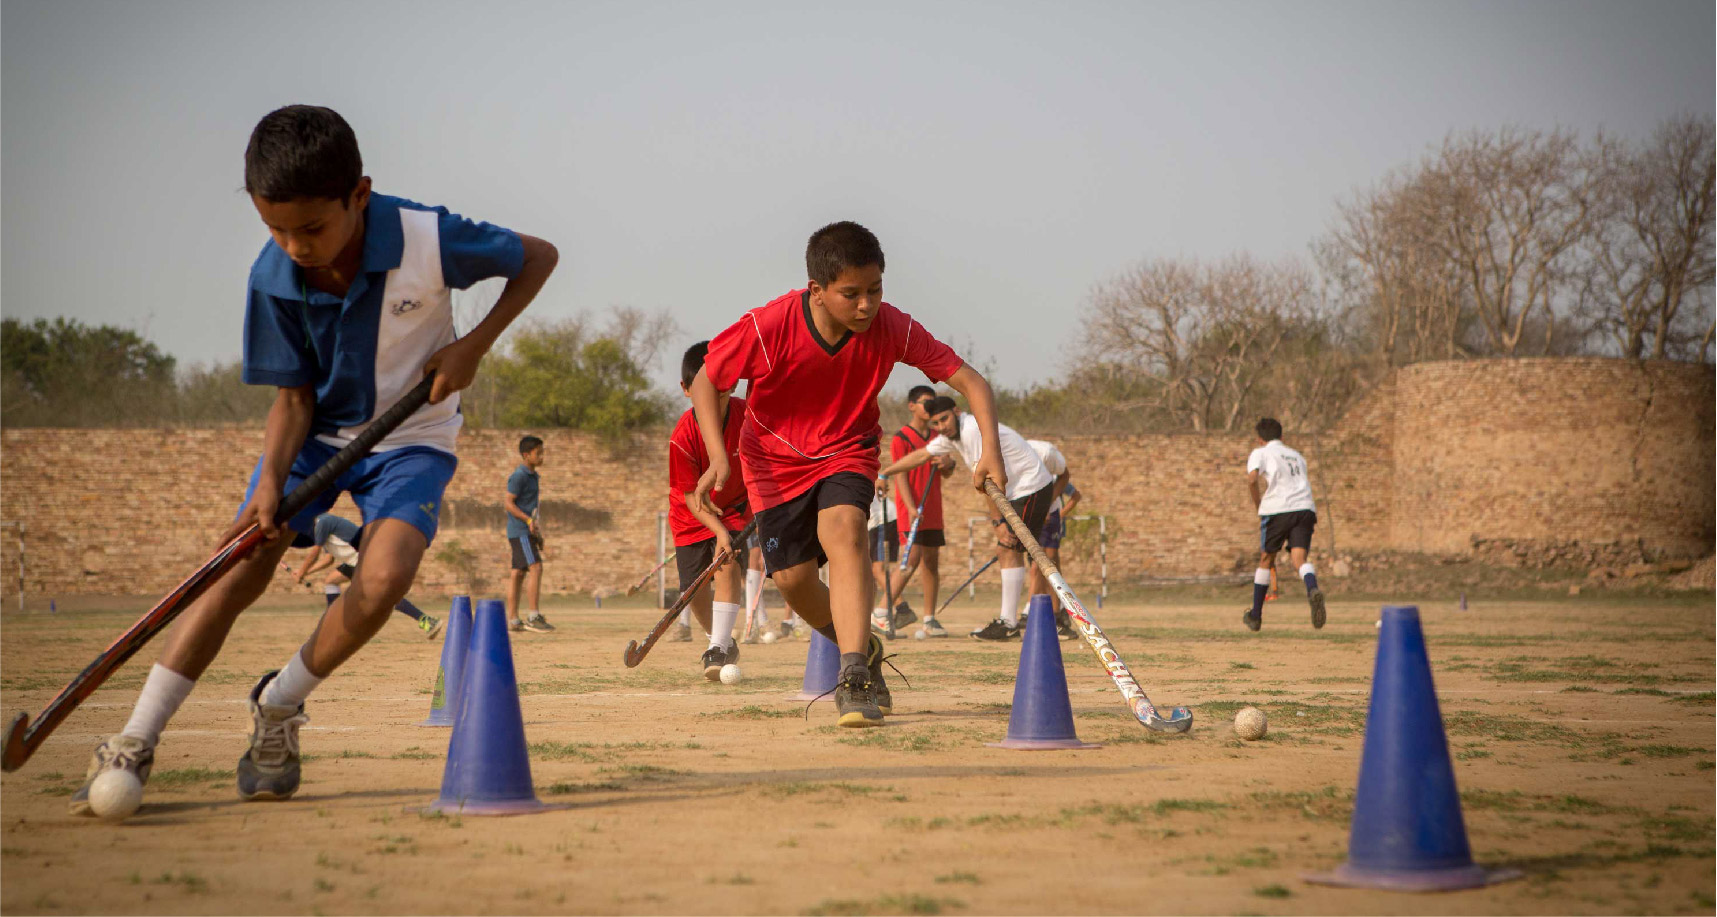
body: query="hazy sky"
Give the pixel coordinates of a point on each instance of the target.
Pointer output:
(1009, 155)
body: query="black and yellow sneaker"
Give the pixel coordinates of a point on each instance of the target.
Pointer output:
(878, 687)
(854, 701)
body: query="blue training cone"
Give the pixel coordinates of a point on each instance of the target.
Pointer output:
(488, 768)
(822, 667)
(444, 702)
(1042, 715)
(1408, 834)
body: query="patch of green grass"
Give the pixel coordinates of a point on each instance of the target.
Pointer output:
(1703, 697)
(189, 881)
(561, 751)
(186, 776)
(1667, 751)
(565, 788)
(1165, 806)
(1516, 801)
(749, 712)
(887, 904)
(1677, 828)
(647, 773)
(959, 878)
(1468, 754)
(802, 787)
(1326, 805)
(1272, 891)
(1648, 692)
(1579, 689)
(1241, 665)
(413, 754)
(893, 740)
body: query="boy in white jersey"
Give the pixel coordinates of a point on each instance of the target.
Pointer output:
(1055, 526)
(1286, 514)
(1031, 490)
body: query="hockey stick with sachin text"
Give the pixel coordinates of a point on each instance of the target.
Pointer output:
(1179, 719)
(23, 737)
(635, 652)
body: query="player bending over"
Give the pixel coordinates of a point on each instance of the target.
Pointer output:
(1030, 488)
(349, 306)
(1055, 524)
(700, 532)
(817, 358)
(337, 541)
(525, 537)
(1286, 514)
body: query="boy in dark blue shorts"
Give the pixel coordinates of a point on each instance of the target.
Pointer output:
(349, 307)
(525, 538)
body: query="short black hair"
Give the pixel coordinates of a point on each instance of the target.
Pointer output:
(939, 404)
(302, 151)
(530, 444)
(918, 390)
(1268, 429)
(692, 362)
(838, 246)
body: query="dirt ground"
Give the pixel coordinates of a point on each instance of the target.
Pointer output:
(1582, 730)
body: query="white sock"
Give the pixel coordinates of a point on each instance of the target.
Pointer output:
(686, 618)
(753, 587)
(331, 589)
(1306, 569)
(721, 618)
(292, 685)
(1013, 584)
(163, 692)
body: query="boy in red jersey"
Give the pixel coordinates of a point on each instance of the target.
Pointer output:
(817, 358)
(909, 487)
(699, 532)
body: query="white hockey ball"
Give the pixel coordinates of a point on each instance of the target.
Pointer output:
(1250, 724)
(770, 636)
(115, 794)
(730, 674)
(920, 634)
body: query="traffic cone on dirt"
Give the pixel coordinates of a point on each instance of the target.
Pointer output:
(444, 700)
(1042, 716)
(488, 768)
(822, 667)
(1408, 834)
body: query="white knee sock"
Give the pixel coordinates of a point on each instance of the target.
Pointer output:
(753, 586)
(331, 589)
(163, 692)
(1013, 583)
(686, 618)
(292, 685)
(721, 618)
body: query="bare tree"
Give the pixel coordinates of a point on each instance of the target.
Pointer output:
(1649, 259)
(1507, 209)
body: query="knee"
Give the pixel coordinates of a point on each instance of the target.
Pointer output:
(383, 585)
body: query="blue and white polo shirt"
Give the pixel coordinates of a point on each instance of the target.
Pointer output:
(364, 352)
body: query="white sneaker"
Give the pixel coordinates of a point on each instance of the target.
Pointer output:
(119, 753)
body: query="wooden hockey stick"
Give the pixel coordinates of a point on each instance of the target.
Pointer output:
(635, 652)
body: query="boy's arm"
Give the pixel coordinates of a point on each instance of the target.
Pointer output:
(1060, 484)
(906, 462)
(514, 511)
(456, 364)
(706, 409)
(282, 438)
(723, 541)
(1252, 484)
(968, 382)
(1068, 501)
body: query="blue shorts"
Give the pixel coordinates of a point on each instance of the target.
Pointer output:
(404, 484)
(1053, 530)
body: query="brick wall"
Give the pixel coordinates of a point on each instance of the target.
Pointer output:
(1528, 450)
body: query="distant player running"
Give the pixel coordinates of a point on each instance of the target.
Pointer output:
(699, 534)
(1286, 514)
(337, 541)
(1030, 488)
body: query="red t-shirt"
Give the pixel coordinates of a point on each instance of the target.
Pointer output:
(687, 461)
(811, 409)
(904, 443)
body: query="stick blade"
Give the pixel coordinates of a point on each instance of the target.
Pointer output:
(13, 752)
(1179, 720)
(633, 657)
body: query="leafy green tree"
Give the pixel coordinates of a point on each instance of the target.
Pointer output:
(65, 373)
(567, 374)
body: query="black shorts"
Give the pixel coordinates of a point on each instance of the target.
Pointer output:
(1295, 528)
(929, 538)
(693, 559)
(1033, 510)
(527, 552)
(893, 542)
(788, 532)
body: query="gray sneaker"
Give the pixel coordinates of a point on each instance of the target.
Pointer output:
(878, 687)
(934, 628)
(682, 633)
(537, 624)
(854, 701)
(715, 657)
(516, 626)
(119, 753)
(269, 768)
(903, 615)
(1319, 613)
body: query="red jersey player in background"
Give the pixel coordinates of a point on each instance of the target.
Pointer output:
(703, 528)
(817, 358)
(926, 547)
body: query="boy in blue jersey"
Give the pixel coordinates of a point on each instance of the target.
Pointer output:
(349, 306)
(525, 537)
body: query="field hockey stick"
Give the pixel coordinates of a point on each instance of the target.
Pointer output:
(956, 593)
(917, 517)
(882, 559)
(1179, 718)
(23, 737)
(635, 652)
(632, 589)
(751, 612)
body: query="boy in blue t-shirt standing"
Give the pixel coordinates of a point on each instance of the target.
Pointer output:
(525, 536)
(349, 307)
